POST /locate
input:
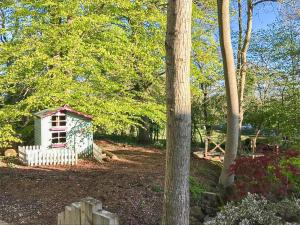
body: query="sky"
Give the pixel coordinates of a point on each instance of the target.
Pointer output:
(264, 14)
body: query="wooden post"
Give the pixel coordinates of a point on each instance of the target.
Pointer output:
(277, 149)
(76, 213)
(105, 218)
(61, 218)
(87, 212)
(88, 206)
(206, 147)
(68, 217)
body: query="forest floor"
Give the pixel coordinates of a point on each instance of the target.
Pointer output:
(131, 186)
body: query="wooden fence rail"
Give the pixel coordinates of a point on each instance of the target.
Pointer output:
(87, 212)
(217, 146)
(39, 155)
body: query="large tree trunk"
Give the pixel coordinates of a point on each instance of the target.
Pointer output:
(226, 178)
(243, 70)
(178, 48)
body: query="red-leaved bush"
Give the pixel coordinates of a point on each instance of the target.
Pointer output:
(268, 175)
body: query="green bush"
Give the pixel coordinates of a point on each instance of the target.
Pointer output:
(8, 136)
(292, 172)
(157, 188)
(255, 209)
(161, 144)
(196, 189)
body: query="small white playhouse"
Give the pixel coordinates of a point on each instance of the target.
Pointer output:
(59, 135)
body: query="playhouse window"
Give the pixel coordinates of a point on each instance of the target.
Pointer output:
(59, 138)
(59, 121)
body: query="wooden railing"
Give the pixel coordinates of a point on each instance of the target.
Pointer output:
(38, 155)
(86, 212)
(207, 150)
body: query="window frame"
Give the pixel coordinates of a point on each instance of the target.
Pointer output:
(59, 121)
(59, 139)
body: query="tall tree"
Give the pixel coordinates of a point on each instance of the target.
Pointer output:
(242, 56)
(178, 48)
(226, 178)
(243, 46)
(88, 54)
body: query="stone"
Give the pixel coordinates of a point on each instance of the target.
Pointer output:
(10, 153)
(211, 203)
(114, 157)
(197, 212)
(207, 218)
(194, 221)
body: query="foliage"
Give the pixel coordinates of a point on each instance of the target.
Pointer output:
(157, 188)
(255, 209)
(273, 96)
(101, 57)
(288, 209)
(8, 136)
(161, 144)
(206, 72)
(196, 189)
(273, 175)
(292, 171)
(11, 161)
(104, 58)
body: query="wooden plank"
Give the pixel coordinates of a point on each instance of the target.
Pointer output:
(88, 205)
(76, 213)
(61, 218)
(105, 218)
(68, 215)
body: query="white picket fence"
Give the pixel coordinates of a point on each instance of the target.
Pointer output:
(39, 155)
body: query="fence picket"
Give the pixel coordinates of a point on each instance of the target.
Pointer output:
(40, 155)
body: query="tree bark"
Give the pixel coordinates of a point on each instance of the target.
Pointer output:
(205, 110)
(144, 135)
(243, 70)
(240, 36)
(226, 178)
(178, 49)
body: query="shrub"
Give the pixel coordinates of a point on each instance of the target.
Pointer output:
(196, 189)
(161, 144)
(288, 210)
(273, 176)
(255, 209)
(157, 188)
(8, 136)
(292, 172)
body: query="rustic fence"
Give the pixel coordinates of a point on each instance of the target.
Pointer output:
(87, 212)
(38, 155)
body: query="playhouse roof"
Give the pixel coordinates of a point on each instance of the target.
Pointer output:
(49, 112)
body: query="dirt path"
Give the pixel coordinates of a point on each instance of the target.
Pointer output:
(130, 187)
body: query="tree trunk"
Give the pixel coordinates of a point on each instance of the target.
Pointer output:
(144, 135)
(178, 49)
(240, 36)
(226, 178)
(243, 71)
(255, 138)
(205, 110)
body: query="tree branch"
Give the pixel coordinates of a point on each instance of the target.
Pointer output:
(262, 1)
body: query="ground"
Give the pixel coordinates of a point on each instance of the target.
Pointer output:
(131, 186)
